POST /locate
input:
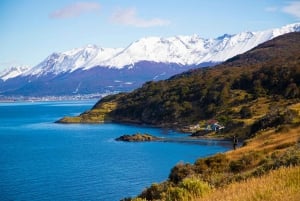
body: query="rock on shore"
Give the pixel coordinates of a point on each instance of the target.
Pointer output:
(138, 137)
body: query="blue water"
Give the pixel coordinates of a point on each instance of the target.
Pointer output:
(41, 160)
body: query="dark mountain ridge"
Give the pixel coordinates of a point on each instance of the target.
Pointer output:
(94, 80)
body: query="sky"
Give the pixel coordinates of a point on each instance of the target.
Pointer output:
(30, 30)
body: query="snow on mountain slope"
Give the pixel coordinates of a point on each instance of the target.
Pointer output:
(190, 50)
(183, 50)
(229, 46)
(13, 72)
(72, 60)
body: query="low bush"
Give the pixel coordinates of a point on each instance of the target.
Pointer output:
(217, 163)
(246, 161)
(177, 193)
(181, 171)
(187, 190)
(195, 187)
(155, 191)
(277, 160)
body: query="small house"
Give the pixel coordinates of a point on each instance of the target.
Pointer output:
(213, 125)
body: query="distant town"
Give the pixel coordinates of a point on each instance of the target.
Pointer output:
(55, 98)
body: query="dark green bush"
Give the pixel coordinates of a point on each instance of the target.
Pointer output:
(154, 192)
(181, 171)
(237, 166)
(245, 112)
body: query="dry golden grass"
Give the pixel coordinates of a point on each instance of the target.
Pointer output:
(258, 107)
(279, 185)
(97, 115)
(267, 142)
(101, 114)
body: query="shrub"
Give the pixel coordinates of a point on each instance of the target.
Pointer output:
(177, 194)
(195, 187)
(272, 119)
(237, 166)
(154, 192)
(180, 171)
(275, 161)
(246, 161)
(187, 190)
(217, 163)
(138, 199)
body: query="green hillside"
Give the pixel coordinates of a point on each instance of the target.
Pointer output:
(246, 93)
(255, 95)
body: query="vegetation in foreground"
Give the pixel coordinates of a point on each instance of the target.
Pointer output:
(282, 184)
(278, 185)
(255, 95)
(209, 178)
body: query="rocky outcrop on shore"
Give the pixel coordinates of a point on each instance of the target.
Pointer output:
(138, 137)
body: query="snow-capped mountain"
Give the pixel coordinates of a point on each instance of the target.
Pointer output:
(13, 72)
(183, 50)
(189, 50)
(69, 61)
(146, 59)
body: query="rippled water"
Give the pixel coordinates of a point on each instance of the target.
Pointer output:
(41, 160)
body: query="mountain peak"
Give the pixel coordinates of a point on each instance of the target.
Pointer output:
(12, 72)
(224, 36)
(294, 26)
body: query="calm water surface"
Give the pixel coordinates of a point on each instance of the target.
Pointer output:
(41, 160)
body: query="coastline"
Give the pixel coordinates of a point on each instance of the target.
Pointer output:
(186, 134)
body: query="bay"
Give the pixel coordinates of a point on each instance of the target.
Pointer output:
(42, 160)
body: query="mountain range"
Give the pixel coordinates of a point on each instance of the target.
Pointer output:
(93, 69)
(263, 80)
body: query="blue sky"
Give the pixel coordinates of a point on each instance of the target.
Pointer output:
(30, 30)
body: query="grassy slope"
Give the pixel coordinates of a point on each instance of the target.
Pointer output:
(278, 185)
(98, 114)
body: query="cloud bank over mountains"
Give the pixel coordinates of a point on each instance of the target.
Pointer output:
(122, 16)
(75, 10)
(129, 17)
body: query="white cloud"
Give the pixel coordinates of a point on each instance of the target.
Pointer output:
(75, 9)
(293, 8)
(129, 17)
